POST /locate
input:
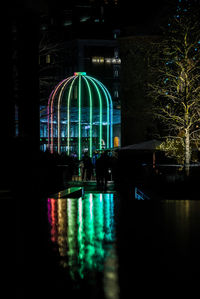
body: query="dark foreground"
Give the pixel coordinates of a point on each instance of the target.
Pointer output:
(106, 245)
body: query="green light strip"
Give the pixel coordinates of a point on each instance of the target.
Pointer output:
(108, 108)
(103, 95)
(71, 236)
(80, 237)
(89, 231)
(68, 114)
(59, 102)
(111, 114)
(90, 100)
(100, 110)
(79, 118)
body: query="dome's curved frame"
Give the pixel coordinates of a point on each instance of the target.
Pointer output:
(104, 98)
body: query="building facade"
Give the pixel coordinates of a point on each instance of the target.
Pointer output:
(83, 51)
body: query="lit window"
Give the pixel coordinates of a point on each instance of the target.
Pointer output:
(48, 58)
(98, 59)
(116, 94)
(108, 60)
(116, 60)
(116, 52)
(116, 73)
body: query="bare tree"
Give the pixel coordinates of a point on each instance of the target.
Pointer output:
(176, 86)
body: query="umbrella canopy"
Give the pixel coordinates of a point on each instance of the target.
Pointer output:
(150, 145)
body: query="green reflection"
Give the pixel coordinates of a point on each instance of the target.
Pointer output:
(62, 226)
(85, 231)
(71, 233)
(81, 246)
(108, 228)
(89, 232)
(98, 230)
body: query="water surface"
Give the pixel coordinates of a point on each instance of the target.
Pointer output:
(107, 246)
(83, 235)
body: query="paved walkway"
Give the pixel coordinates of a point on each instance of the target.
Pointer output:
(90, 185)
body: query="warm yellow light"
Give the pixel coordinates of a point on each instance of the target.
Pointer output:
(116, 141)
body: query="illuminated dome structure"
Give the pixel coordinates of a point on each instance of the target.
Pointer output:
(79, 116)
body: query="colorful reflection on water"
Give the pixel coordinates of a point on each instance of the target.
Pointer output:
(83, 230)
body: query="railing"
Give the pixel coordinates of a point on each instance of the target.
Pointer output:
(139, 195)
(72, 192)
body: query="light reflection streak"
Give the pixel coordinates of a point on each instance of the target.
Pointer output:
(81, 246)
(111, 281)
(53, 218)
(84, 231)
(62, 224)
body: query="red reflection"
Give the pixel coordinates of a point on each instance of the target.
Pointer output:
(53, 218)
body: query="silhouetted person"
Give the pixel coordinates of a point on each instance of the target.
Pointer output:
(99, 171)
(115, 168)
(102, 167)
(106, 165)
(87, 167)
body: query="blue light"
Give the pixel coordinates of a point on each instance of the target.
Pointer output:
(139, 195)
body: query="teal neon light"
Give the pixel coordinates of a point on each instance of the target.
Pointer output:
(79, 118)
(111, 114)
(92, 86)
(68, 115)
(91, 108)
(108, 110)
(100, 111)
